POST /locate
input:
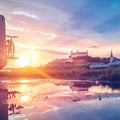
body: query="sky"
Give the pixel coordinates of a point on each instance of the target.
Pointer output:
(54, 28)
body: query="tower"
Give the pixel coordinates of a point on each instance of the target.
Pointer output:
(111, 57)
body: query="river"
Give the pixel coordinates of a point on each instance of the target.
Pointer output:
(45, 99)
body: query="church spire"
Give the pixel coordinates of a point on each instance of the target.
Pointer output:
(111, 55)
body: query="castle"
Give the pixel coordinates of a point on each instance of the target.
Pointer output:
(84, 60)
(78, 60)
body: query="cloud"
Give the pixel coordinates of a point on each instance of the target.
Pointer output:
(94, 46)
(96, 19)
(25, 14)
(51, 52)
(64, 25)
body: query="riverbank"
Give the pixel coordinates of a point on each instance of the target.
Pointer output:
(112, 74)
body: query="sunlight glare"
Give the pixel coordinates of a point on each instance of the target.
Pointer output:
(28, 59)
(34, 55)
(23, 61)
(25, 98)
(24, 81)
(25, 88)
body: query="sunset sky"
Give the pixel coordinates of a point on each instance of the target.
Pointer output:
(50, 29)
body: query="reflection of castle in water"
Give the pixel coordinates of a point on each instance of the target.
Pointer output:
(84, 85)
(81, 85)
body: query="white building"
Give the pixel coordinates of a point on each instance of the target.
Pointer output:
(69, 60)
(78, 54)
(113, 61)
(97, 65)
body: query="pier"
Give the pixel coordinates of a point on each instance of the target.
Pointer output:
(3, 104)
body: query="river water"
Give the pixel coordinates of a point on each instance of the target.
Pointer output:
(45, 99)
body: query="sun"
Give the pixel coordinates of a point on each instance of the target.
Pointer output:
(28, 59)
(23, 60)
(34, 55)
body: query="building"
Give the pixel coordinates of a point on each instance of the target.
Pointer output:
(81, 59)
(78, 60)
(111, 57)
(69, 60)
(113, 62)
(78, 54)
(99, 65)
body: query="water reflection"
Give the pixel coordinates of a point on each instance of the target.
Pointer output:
(25, 88)
(41, 95)
(25, 98)
(100, 89)
(33, 91)
(96, 87)
(113, 85)
(34, 87)
(25, 81)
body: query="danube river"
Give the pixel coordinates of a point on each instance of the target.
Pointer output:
(44, 99)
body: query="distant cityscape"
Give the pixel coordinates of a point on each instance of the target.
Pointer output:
(78, 65)
(83, 60)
